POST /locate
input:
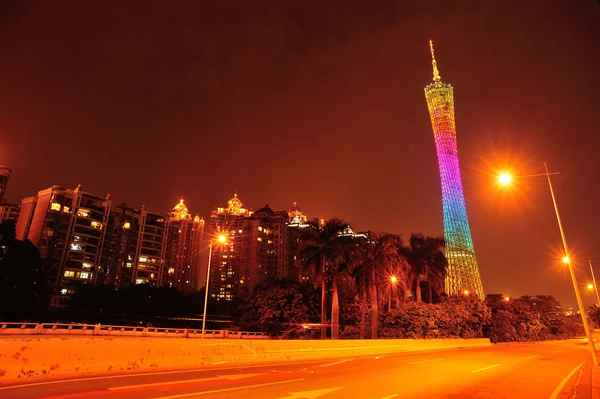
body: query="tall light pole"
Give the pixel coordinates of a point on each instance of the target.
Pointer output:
(506, 179)
(221, 238)
(594, 280)
(393, 280)
(573, 278)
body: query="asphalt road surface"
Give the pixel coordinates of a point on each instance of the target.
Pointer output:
(530, 371)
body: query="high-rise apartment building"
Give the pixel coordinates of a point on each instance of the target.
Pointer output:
(184, 243)
(4, 178)
(118, 260)
(151, 248)
(298, 226)
(9, 212)
(68, 227)
(256, 248)
(228, 261)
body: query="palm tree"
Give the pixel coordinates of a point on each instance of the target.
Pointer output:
(361, 261)
(373, 258)
(321, 246)
(391, 264)
(426, 258)
(339, 271)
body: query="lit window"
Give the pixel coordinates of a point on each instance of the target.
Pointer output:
(240, 231)
(49, 232)
(141, 281)
(151, 275)
(96, 225)
(86, 265)
(259, 239)
(259, 228)
(69, 273)
(76, 247)
(76, 238)
(55, 206)
(126, 225)
(84, 275)
(65, 209)
(171, 270)
(129, 264)
(143, 259)
(64, 291)
(83, 213)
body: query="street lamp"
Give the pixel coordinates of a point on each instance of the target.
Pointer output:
(594, 280)
(507, 298)
(221, 238)
(505, 178)
(393, 280)
(566, 258)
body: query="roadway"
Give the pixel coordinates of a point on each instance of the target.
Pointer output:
(512, 371)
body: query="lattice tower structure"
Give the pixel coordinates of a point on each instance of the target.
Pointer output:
(463, 271)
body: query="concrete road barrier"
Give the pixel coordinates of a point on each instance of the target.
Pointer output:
(36, 358)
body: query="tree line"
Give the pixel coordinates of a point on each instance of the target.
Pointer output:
(374, 266)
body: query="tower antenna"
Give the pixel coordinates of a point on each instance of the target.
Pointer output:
(436, 73)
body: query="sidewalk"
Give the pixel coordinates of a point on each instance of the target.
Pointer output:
(595, 383)
(589, 382)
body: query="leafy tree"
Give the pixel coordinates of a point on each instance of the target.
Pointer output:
(279, 305)
(338, 271)
(427, 260)
(320, 248)
(20, 265)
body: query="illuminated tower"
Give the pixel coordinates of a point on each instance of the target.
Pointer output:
(463, 272)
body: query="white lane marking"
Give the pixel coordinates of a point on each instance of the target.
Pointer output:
(529, 357)
(338, 362)
(225, 361)
(391, 396)
(230, 377)
(185, 395)
(564, 381)
(251, 350)
(380, 357)
(485, 368)
(311, 394)
(425, 361)
(340, 349)
(109, 377)
(155, 384)
(239, 376)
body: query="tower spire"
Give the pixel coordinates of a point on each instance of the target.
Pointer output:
(436, 73)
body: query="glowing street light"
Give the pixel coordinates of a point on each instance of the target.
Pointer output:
(507, 298)
(221, 239)
(505, 178)
(594, 280)
(466, 292)
(393, 280)
(566, 259)
(590, 286)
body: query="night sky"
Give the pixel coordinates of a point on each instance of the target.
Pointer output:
(319, 102)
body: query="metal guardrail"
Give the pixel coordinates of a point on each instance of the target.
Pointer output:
(121, 331)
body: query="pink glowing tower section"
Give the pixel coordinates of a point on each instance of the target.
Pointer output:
(463, 272)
